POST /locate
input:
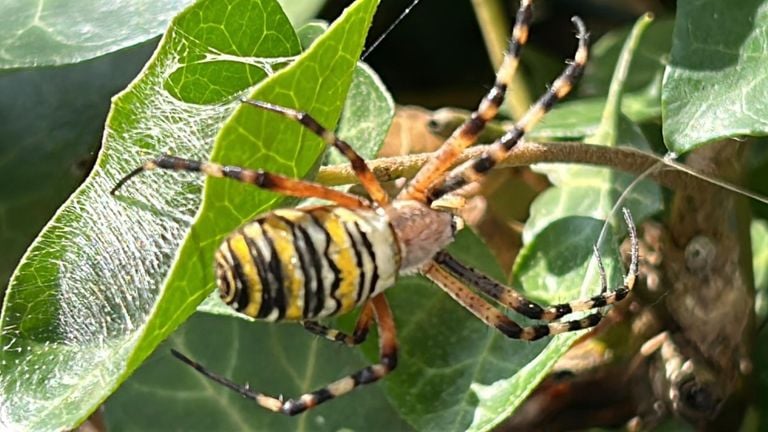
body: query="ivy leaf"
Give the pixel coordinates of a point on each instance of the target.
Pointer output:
(714, 86)
(94, 296)
(648, 61)
(58, 112)
(50, 33)
(53, 33)
(280, 359)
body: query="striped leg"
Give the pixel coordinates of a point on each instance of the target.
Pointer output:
(258, 178)
(367, 179)
(475, 169)
(468, 132)
(358, 335)
(509, 297)
(493, 317)
(367, 375)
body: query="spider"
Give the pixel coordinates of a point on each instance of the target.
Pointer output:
(305, 264)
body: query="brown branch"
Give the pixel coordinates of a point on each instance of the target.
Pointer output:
(526, 153)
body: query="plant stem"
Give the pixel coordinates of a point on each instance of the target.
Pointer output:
(525, 153)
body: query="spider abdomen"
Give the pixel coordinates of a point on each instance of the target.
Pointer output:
(296, 264)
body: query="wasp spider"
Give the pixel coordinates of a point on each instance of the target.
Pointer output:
(310, 263)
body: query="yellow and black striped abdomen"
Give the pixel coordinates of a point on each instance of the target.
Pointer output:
(295, 264)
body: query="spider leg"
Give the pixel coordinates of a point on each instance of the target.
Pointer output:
(450, 275)
(359, 166)
(476, 169)
(493, 317)
(511, 298)
(387, 362)
(262, 179)
(357, 337)
(466, 134)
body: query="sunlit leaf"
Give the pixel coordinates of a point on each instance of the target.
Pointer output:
(46, 33)
(715, 87)
(88, 303)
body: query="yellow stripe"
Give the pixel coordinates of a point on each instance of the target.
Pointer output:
(282, 237)
(295, 216)
(240, 249)
(342, 256)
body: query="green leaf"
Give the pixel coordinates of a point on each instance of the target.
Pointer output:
(714, 86)
(650, 58)
(368, 110)
(301, 11)
(574, 120)
(89, 303)
(56, 33)
(367, 115)
(274, 358)
(53, 120)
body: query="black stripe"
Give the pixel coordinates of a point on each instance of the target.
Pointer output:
(512, 137)
(514, 48)
(359, 260)
(299, 245)
(509, 328)
(620, 293)
(372, 255)
(317, 299)
(275, 268)
(310, 123)
(524, 17)
(473, 126)
(549, 100)
(540, 331)
(598, 301)
(322, 395)
(562, 309)
(497, 94)
(483, 164)
(451, 184)
(177, 163)
(366, 375)
(261, 269)
(336, 273)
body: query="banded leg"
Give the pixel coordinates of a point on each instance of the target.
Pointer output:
(367, 179)
(262, 179)
(509, 297)
(493, 317)
(476, 169)
(466, 134)
(357, 337)
(367, 375)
